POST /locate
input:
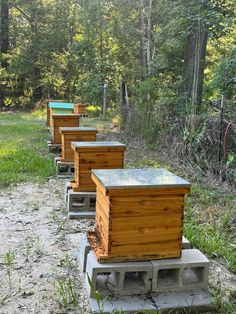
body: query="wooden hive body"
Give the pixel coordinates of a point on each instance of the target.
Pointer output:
(60, 109)
(140, 223)
(74, 134)
(70, 120)
(48, 111)
(95, 155)
(80, 109)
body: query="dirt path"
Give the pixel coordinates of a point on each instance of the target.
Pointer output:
(43, 243)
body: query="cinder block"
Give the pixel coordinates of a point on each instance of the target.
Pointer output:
(124, 304)
(67, 188)
(81, 204)
(84, 249)
(127, 278)
(199, 301)
(56, 159)
(81, 215)
(191, 271)
(189, 302)
(65, 169)
(185, 244)
(54, 148)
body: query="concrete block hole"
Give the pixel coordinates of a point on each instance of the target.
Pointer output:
(79, 202)
(193, 275)
(134, 279)
(168, 277)
(92, 202)
(107, 281)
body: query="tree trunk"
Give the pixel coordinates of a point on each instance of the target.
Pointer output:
(4, 28)
(124, 104)
(143, 59)
(194, 65)
(149, 31)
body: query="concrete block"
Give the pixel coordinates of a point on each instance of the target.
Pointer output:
(191, 271)
(84, 249)
(54, 148)
(185, 244)
(189, 302)
(65, 169)
(78, 215)
(127, 278)
(67, 188)
(56, 159)
(81, 204)
(124, 304)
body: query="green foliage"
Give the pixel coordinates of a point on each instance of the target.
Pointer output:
(225, 78)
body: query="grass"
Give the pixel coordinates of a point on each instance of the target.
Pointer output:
(23, 149)
(210, 224)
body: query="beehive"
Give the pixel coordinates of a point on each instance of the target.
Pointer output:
(74, 134)
(139, 214)
(80, 109)
(58, 120)
(94, 155)
(60, 108)
(47, 101)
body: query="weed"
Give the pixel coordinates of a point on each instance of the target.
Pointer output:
(9, 260)
(29, 244)
(62, 230)
(100, 301)
(67, 291)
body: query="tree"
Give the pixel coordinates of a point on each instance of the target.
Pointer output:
(4, 29)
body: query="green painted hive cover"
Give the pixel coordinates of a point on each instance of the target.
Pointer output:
(61, 105)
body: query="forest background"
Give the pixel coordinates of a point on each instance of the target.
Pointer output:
(169, 68)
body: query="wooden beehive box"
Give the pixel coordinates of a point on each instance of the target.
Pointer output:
(60, 108)
(59, 120)
(94, 155)
(74, 134)
(48, 111)
(80, 109)
(139, 214)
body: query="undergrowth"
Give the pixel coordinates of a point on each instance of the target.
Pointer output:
(210, 223)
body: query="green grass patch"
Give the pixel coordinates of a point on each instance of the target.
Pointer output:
(210, 224)
(23, 149)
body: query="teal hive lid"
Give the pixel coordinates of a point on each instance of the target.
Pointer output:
(61, 105)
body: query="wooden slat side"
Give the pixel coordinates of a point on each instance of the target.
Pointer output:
(68, 152)
(136, 257)
(154, 247)
(148, 191)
